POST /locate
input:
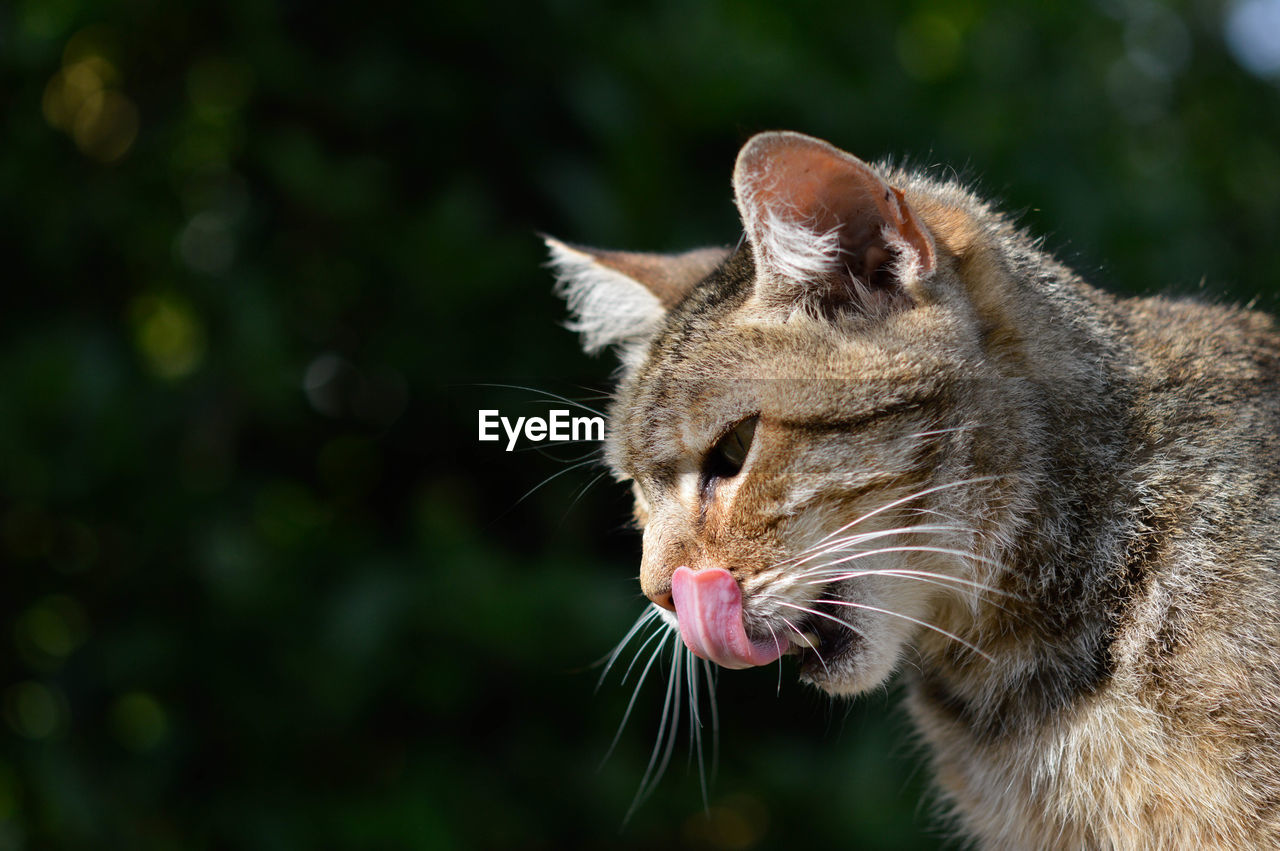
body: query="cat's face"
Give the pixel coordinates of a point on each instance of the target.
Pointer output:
(801, 425)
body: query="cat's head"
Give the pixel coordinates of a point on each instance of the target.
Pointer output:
(805, 419)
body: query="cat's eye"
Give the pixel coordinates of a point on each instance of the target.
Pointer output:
(729, 454)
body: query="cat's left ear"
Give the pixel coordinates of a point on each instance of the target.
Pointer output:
(619, 297)
(825, 229)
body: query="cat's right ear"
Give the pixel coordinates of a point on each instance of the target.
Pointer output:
(826, 231)
(619, 297)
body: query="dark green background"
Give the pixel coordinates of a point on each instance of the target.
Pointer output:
(263, 588)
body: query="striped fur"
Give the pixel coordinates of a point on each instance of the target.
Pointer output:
(1062, 507)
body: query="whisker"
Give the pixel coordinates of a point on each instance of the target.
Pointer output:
(596, 392)
(678, 661)
(656, 633)
(905, 499)
(667, 727)
(934, 579)
(826, 574)
(709, 676)
(829, 617)
(695, 725)
(815, 650)
(545, 449)
(909, 548)
(861, 537)
(924, 624)
(693, 688)
(924, 575)
(646, 616)
(932, 432)
(934, 512)
(827, 543)
(668, 701)
(552, 478)
(774, 636)
(583, 493)
(546, 393)
(844, 545)
(657, 651)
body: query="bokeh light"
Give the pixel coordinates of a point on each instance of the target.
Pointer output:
(168, 335)
(34, 710)
(1253, 32)
(81, 100)
(49, 631)
(139, 722)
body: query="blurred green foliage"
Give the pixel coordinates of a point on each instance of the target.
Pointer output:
(263, 587)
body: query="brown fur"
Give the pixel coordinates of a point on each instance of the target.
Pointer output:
(1110, 468)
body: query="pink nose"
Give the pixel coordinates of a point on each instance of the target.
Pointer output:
(662, 597)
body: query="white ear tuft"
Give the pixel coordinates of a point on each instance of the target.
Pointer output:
(606, 306)
(798, 252)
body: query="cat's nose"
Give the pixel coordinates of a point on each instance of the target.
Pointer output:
(662, 597)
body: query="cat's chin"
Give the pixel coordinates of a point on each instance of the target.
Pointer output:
(850, 666)
(852, 673)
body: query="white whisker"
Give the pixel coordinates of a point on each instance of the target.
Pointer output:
(657, 651)
(924, 624)
(925, 575)
(862, 537)
(817, 613)
(552, 478)
(548, 394)
(659, 633)
(797, 631)
(646, 616)
(545, 449)
(583, 493)
(895, 503)
(709, 675)
(695, 725)
(665, 723)
(935, 431)
(910, 548)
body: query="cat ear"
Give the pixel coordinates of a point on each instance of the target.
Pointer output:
(618, 297)
(825, 229)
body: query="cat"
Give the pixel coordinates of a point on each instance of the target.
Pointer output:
(888, 426)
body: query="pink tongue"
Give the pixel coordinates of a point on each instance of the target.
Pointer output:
(709, 607)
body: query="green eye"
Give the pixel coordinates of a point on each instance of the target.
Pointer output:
(730, 453)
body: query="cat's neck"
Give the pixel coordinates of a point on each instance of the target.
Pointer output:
(1066, 543)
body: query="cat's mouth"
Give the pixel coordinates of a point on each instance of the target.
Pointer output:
(712, 623)
(823, 634)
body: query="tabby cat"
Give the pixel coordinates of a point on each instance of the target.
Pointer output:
(889, 428)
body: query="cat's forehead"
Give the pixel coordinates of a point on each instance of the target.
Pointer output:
(696, 384)
(721, 340)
